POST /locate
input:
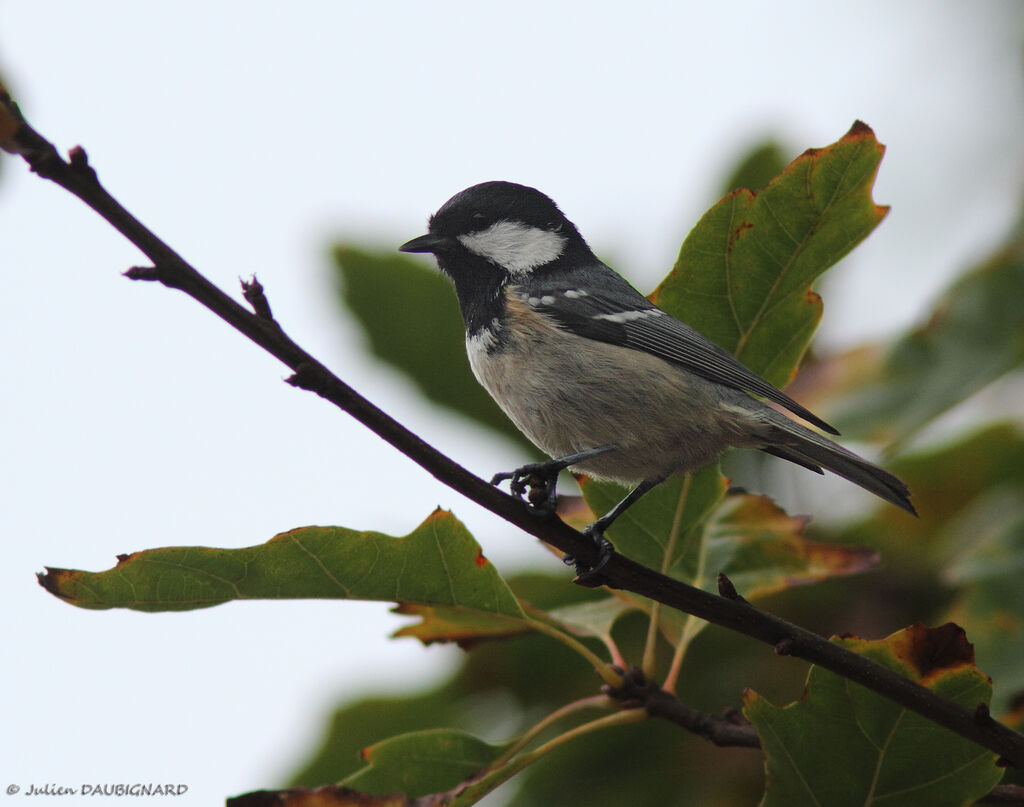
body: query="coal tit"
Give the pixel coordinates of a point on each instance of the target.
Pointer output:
(593, 373)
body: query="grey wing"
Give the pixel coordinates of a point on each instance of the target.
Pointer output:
(623, 316)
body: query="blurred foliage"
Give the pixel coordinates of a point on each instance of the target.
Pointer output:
(974, 335)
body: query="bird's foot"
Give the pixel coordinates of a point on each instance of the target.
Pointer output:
(540, 478)
(591, 575)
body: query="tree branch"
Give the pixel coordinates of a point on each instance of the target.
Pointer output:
(730, 611)
(636, 690)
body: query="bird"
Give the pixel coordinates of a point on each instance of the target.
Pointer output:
(597, 376)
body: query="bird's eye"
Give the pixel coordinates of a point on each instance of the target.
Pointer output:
(478, 216)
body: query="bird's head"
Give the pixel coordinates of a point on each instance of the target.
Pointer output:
(499, 229)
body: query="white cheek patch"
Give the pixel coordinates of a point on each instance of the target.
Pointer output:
(514, 246)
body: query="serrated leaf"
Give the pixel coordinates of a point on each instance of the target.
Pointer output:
(423, 762)
(411, 318)
(974, 334)
(439, 563)
(744, 274)
(842, 744)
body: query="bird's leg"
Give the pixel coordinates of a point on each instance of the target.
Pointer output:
(542, 477)
(596, 530)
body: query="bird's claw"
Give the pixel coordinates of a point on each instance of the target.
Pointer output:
(537, 482)
(591, 575)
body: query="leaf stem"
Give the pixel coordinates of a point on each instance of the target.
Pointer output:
(528, 736)
(651, 645)
(477, 790)
(622, 718)
(650, 658)
(672, 677)
(613, 649)
(690, 629)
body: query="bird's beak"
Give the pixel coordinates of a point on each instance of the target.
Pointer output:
(425, 243)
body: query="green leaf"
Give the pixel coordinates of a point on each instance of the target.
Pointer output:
(427, 342)
(423, 762)
(842, 744)
(974, 334)
(744, 274)
(438, 564)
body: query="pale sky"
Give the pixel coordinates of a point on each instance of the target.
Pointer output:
(249, 135)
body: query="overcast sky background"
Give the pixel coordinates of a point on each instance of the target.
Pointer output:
(249, 136)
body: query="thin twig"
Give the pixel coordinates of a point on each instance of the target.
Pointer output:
(636, 690)
(77, 176)
(532, 733)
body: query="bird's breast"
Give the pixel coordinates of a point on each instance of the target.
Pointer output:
(567, 393)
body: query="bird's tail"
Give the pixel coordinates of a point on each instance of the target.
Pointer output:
(791, 441)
